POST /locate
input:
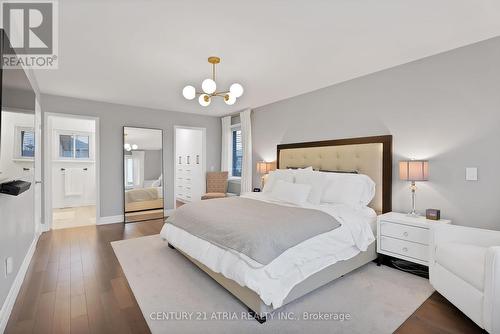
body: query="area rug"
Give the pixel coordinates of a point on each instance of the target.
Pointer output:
(175, 296)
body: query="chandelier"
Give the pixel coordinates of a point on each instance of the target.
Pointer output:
(209, 88)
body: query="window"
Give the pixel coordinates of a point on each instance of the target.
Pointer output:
(27, 143)
(129, 171)
(73, 146)
(24, 143)
(237, 152)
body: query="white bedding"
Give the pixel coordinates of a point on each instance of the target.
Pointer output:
(273, 282)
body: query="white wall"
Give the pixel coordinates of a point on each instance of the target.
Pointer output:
(88, 197)
(445, 108)
(10, 167)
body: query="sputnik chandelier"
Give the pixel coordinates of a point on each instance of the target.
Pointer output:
(209, 88)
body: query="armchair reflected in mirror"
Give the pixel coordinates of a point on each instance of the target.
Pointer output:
(143, 174)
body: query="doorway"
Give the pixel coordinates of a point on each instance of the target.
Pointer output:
(71, 171)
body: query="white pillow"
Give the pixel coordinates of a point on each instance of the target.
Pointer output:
(356, 190)
(288, 192)
(316, 180)
(279, 174)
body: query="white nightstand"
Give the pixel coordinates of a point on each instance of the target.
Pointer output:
(405, 237)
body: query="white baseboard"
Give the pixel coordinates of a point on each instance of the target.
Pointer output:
(110, 220)
(6, 309)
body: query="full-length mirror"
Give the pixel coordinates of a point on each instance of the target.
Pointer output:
(143, 174)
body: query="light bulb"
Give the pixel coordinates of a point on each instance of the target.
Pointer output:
(209, 86)
(204, 100)
(229, 98)
(135, 147)
(189, 92)
(127, 147)
(236, 89)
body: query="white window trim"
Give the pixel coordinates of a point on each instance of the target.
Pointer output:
(235, 126)
(58, 133)
(127, 185)
(17, 156)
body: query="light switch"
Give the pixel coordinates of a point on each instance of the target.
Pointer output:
(471, 174)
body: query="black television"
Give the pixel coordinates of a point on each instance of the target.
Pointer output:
(17, 119)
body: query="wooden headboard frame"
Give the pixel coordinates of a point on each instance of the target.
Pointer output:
(386, 142)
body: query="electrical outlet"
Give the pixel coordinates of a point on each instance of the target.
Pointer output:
(9, 265)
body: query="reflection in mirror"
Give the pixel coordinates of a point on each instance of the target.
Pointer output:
(17, 123)
(143, 174)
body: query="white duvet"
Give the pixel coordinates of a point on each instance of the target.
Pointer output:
(274, 281)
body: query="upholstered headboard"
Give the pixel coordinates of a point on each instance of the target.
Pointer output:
(366, 155)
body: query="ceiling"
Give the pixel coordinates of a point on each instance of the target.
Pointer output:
(143, 53)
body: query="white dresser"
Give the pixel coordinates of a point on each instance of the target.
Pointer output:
(405, 237)
(189, 165)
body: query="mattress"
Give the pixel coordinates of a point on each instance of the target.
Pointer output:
(273, 282)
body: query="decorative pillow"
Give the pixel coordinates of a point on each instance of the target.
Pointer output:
(316, 180)
(356, 190)
(278, 174)
(288, 192)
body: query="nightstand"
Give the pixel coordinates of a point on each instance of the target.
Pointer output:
(405, 237)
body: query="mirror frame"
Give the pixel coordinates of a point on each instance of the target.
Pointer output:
(123, 171)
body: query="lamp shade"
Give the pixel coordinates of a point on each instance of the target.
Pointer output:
(414, 170)
(264, 167)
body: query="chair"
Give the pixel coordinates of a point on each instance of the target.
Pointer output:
(465, 268)
(216, 185)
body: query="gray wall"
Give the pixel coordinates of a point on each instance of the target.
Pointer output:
(112, 118)
(17, 224)
(152, 164)
(444, 108)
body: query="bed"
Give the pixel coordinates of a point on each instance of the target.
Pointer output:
(140, 199)
(307, 259)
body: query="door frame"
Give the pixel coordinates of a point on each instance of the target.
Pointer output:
(204, 157)
(47, 165)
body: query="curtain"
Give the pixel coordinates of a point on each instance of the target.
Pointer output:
(138, 159)
(246, 165)
(225, 162)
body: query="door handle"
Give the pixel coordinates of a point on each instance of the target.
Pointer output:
(38, 182)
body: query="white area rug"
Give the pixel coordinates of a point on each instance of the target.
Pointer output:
(177, 297)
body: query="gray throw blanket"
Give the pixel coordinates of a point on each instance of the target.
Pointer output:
(260, 230)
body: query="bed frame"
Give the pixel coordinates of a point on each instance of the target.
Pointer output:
(367, 155)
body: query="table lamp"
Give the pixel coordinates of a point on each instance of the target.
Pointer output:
(413, 170)
(263, 168)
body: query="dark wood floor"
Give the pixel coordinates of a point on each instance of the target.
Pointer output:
(75, 285)
(437, 315)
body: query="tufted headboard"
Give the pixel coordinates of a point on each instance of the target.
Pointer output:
(367, 155)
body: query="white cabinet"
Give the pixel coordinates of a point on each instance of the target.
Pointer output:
(189, 168)
(405, 237)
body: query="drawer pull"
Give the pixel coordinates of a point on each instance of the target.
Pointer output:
(405, 234)
(405, 249)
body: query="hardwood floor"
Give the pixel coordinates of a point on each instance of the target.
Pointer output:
(75, 285)
(437, 315)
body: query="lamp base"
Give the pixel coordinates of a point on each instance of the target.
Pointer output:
(413, 214)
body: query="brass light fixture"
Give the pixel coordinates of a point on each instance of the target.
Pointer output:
(209, 88)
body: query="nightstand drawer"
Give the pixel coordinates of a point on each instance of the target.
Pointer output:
(405, 232)
(406, 248)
